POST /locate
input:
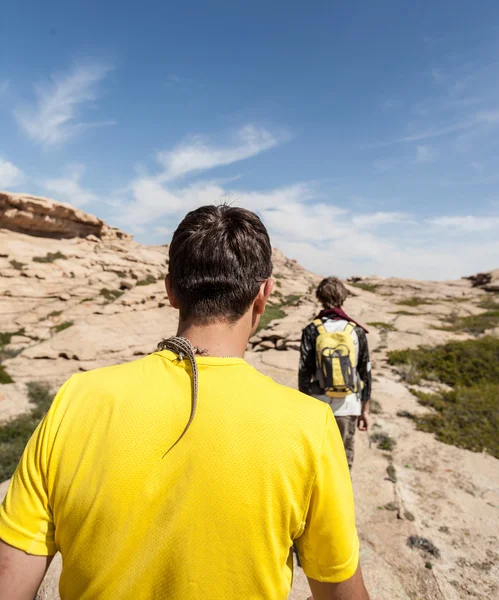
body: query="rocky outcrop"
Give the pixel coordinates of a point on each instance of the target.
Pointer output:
(43, 217)
(487, 281)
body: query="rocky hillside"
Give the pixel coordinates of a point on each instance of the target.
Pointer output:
(76, 294)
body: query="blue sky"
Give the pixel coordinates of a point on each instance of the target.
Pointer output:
(365, 134)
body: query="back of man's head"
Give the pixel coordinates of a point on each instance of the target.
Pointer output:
(219, 257)
(331, 292)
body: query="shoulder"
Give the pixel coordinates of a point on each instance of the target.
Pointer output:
(361, 334)
(297, 406)
(310, 329)
(109, 380)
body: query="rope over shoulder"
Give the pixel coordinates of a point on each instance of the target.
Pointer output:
(184, 349)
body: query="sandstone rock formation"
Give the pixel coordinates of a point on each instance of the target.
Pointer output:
(76, 294)
(43, 217)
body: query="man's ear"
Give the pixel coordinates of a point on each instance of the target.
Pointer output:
(266, 289)
(170, 293)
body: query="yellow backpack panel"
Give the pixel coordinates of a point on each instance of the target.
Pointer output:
(336, 360)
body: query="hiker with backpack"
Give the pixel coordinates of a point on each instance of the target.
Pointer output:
(334, 363)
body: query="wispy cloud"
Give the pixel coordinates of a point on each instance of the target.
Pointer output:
(197, 155)
(68, 188)
(378, 219)
(468, 223)
(425, 154)
(326, 238)
(56, 115)
(10, 175)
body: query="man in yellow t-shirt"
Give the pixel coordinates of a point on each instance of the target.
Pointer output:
(187, 474)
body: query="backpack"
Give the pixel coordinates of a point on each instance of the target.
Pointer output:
(336, 360)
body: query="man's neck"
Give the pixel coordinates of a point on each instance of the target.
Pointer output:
(217, 339)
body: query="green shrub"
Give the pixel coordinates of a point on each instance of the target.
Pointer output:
(375, 407)
(50, 257)
(405, 313)
(414, 301)
(290, 300)
(55, 313)
(147, 281)
(490, 302)
(466, 363)
(6, 336)
(86, 300)
(110, 295)
(466, 417)
(62, 326)
(474, 324)
(4, 376)
(383, 326)
(15, 264)
(14, 434)
(271, 313)
(364, 285)
(384, 441)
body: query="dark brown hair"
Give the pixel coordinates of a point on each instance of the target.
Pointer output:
(219, 256)
(331, 292)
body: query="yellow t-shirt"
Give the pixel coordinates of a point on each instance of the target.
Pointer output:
(261, 466)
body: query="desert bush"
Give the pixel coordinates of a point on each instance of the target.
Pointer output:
(50, 257)
(414, 301)
(383, 326)
(473, 324)
(4, 376)
(147, 281)
(62, 326)
(383, 440)
(15, 264)
(14, 434)
(271, 313)
(109, 295)
(466, 416)
(364, 285)
(490, 302)
(466, 363)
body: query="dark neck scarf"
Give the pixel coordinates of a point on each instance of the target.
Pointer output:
(339, 313)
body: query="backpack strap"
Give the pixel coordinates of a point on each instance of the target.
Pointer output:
(319, 326)
(350, 328)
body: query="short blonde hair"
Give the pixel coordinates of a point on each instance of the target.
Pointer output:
(331, 292)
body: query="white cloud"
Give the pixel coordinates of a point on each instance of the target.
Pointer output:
(196, 155)
(68, 188)
(468, 223)
(425, 154)
(303, 223)
(371, 221)
(55, 116)
(10, 175)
